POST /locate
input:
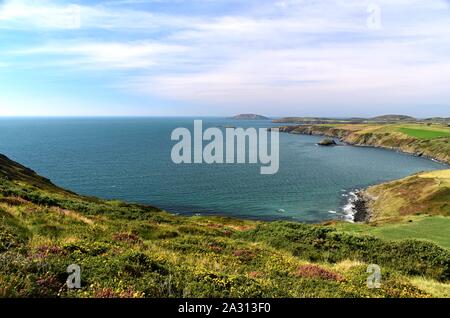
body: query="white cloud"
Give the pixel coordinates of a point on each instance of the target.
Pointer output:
(319, 59)
(105, 54)
(301, 77)
(287, 53)
(22, 13)
(51, 15)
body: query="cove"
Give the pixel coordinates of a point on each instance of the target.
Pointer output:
(130, 159)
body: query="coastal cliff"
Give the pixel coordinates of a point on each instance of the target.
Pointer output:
(423, 193)
(389, 136)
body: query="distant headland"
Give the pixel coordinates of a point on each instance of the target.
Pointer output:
(249, 117)
(384, 119)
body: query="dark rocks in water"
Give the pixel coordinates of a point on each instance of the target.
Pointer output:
(360, 206)
(327, 142)
(361, 210)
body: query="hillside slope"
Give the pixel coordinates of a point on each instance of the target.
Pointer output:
(417, 206)
(11, 170)
(127, 250)
(422, 193)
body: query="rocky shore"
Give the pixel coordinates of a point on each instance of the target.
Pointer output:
(361, 207)
(366, 205)
(357, 208)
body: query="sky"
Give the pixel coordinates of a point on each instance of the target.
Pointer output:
(223, 57)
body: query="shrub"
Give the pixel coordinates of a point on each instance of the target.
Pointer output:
(48, 285)
(12, 234)
(86, 247)
(127, 237)
(111, 293)
(44, 251)
(314, 271)
(319, 243)
(244, 255)
(219, 285)
(137, 264)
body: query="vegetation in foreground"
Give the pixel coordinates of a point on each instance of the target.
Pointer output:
(127, 250)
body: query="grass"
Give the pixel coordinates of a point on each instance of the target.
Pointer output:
(443, 175)
(436, 289)
(432, 228)
(424, 133)
(422, 193)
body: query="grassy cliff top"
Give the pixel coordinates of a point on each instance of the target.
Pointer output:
(128, 250)
(422, 193)
(412, 130)
(420, 139)
(413, 207)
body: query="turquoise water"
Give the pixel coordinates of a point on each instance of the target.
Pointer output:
(129, 159)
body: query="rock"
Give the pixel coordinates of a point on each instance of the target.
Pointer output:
(327, 142)
(361, 209)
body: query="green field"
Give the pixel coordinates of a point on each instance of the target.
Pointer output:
(432, 228)
(419, 139)
(424, 133)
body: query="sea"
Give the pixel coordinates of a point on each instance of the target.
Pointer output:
(130, 159)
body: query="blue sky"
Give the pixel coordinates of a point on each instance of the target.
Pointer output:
(221, 57)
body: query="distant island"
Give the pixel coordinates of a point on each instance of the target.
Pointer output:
(249, 117)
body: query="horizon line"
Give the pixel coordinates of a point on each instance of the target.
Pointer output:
(209, 116)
